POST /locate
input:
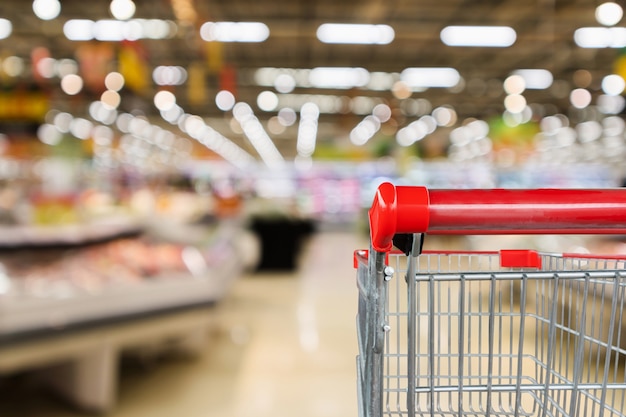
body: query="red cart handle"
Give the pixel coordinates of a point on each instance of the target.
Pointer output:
(412, 209)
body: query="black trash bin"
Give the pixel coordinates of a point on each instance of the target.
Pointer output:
(281, 240)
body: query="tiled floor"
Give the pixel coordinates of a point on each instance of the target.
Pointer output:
(284, 345)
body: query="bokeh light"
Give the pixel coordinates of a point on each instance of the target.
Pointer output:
(609, 13)
(46, 9)
(225, 100)
(114, 81)
(164, 100)
(580, 98)
(71, 84)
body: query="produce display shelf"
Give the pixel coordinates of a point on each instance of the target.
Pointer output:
(73, 333)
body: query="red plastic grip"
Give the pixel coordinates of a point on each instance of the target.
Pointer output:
(397, 210)
(408, 209)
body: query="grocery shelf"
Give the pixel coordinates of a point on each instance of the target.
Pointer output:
(22, 316)
(73, 332)
(68, 234)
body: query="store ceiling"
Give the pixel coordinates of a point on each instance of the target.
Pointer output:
(544, 29)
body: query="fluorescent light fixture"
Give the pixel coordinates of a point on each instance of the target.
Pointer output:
(117, 30)
(78, 29)
(234, 31)
(338, 77)
(535, 79)
(355, 33)
(430, 77)
(600, 37)
(256, 134)
(365, 130)
(169, 75)
(477, 36)
(110, 30)
(307, 129)
(6, 27)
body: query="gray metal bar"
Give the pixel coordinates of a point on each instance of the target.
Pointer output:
(491, 336)
(375, 317)
(416, 249)
(520, 348)
(521, 388)
(609, 340)
(579, 352)
(461, 342)
(431, 345)
(551, 339)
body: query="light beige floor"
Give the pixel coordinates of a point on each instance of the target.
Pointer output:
(284, 345)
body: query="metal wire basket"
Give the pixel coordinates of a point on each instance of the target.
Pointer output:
(506, 333)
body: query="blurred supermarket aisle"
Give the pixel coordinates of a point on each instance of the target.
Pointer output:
(284, 344)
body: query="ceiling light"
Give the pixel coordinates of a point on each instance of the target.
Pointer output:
(430, 77)
(114, 81)
(382, 112)
(285, 83)
(381, 81)
(536, 79)
(164, 100)
(611, 104)
(307, 129)
(45, 67)
(355, 33)
(115, 30)
(66, 66)
(71, 84)
(412, 133)
(5, 28)
(225, 100)
(111, 99)
(78, 29)
(613, 85)
(287, 116)
(234, 31)
(267, 101)
(485, 36)
(169, 75)
(254, 131)
(101, 113)
(580, 98)
(444, 116)
(514, 84)
(515, 103)
(338, 77)
(46, 9)
(600, 37)
(609, 13)
(365, 130)
(81, 128)
(122, 9)
(13, 66)
(49, 134)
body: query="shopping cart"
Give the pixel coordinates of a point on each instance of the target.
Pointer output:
(504, 333)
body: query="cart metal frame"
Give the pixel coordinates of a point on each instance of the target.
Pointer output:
(507, 333)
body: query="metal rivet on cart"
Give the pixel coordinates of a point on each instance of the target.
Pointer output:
(389, 271)
(386, 327)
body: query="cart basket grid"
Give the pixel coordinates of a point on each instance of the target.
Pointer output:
(506, 333)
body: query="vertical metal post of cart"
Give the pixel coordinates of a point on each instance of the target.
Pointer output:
(401, 216)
